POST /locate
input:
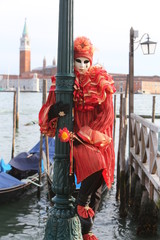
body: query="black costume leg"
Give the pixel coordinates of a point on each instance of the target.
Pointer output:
(90, 195)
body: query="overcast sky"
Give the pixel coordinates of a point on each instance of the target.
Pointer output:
(106, 22)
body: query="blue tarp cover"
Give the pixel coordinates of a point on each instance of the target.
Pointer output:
(51, 146)
(4, 166)
(30, 160)
(25, 161)
(7, 181)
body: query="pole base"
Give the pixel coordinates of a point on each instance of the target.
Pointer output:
(63, 224)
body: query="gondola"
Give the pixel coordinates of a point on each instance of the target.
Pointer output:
(20, 176)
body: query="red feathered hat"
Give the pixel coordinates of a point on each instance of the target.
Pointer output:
(83, 48)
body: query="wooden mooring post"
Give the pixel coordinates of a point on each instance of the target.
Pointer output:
(44, 97)
(121, 158)
(153, 108)
(14, 125)
(15, 118)
(17, 106)
(114, 129)
(46, 137)
(118, 153)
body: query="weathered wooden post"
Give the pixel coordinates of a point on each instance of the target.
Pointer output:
(63, 223)
(153, 108)
(46, 137)
(123, 189)
(114, 129)
(148, 217)
(44, 97)
(118, 154)
(14, 124)
(17, 106)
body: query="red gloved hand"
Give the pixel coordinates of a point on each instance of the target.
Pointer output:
(58, 110)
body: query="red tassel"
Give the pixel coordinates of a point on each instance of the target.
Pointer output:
(85, 212)
(89, 236)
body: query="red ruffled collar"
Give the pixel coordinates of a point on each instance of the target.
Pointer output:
(91, 88)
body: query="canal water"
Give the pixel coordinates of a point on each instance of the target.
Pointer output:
(26, 218)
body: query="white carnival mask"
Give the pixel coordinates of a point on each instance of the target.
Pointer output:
(82, 64)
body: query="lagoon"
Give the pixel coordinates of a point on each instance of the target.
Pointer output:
(26, 218)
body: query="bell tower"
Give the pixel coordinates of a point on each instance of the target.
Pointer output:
(25, 53)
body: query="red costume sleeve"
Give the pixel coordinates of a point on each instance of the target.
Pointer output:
(46, 127)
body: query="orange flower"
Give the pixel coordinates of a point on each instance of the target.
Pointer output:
(64, 135)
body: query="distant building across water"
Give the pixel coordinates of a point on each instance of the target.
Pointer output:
(28, 80)
(142, 84)
(32, 80)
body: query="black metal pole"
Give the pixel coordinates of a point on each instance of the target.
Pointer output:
(131, 81)
(63, 223)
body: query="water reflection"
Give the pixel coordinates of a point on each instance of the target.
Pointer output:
(24, 219)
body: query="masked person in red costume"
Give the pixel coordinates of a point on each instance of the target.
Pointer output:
(93, 150)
